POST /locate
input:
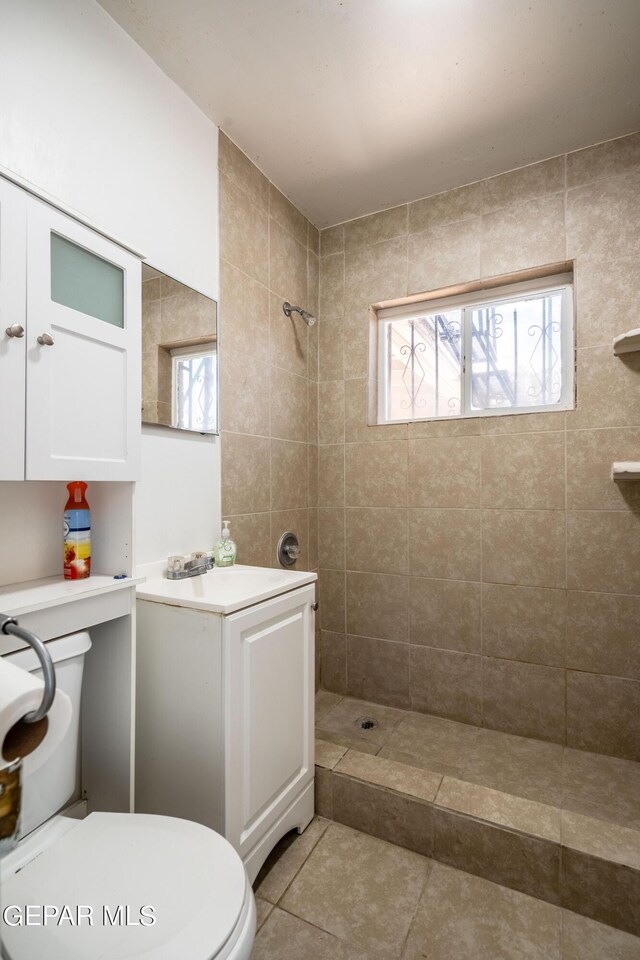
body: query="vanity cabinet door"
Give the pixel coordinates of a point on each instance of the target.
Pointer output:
(269, 686)
(13, 248)
(83, 352)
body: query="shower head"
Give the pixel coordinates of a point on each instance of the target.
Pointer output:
(308, 318)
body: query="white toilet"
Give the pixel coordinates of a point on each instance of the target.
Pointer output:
(123, 870)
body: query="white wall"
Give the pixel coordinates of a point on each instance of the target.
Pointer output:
(86, 116)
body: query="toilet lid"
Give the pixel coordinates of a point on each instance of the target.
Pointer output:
(191, 876)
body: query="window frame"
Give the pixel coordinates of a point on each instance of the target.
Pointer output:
(560, 282)
(208, 349)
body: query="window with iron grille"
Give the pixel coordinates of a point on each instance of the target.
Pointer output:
(505, 350)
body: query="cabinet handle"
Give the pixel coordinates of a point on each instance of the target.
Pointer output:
(45, 340)
(314, 606)
(15, 331)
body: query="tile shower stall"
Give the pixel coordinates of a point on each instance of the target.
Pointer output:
(479, 579)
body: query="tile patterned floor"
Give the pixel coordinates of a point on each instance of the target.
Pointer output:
(336, 894)
(594, 785)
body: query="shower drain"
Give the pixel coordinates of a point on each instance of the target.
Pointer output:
(366, 723)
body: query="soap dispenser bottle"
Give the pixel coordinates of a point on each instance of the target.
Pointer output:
(225, 548)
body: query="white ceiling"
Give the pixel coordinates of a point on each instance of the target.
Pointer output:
(351, 106)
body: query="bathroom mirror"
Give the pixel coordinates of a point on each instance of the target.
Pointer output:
(179, 355)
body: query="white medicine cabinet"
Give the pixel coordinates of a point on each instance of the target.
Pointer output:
(69, 347)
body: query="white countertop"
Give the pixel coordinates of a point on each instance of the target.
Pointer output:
(31, 595)
(224, 590)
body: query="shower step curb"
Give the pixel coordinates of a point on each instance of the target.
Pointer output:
(589, 866)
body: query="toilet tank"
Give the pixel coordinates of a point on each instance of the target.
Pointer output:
(49, 776)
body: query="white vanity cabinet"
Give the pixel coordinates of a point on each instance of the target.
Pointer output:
(69, 347)
(224, 717)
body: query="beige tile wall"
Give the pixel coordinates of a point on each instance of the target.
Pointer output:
(488, 570)
(269, 364)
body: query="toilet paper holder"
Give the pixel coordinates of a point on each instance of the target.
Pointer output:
(10, 625)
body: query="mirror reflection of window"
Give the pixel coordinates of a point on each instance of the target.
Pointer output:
(194, 388)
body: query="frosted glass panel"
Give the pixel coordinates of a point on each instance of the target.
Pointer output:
(85, 282)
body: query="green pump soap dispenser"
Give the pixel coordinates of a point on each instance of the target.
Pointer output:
(225, 548)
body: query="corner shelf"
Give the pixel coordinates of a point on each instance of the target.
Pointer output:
(627, 342)
(626, 470)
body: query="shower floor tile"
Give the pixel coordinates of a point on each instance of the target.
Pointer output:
(355, 897)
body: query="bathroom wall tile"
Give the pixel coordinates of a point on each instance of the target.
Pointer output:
(233, 164)
(375, 273)
(244, 313)
(603, 714)
(600, 889)
(524, 623)
(332, 286)
(331, 554)
(356, 328)
(378, 226)
(312, 412)
(398, 819)
(288, 339)
(251, 533)
(444, 544)
(517, 765)
(331, 412)
(516, 813)
(603, 160)
(524, 471)
(446, 683)
(435, 744)
(331, 475)
(245, 469)
(602, 634)
(603, 218)
(608, 390)
(590, 454)
(186, 315)
(443, 470)
(378, 670)
(536, 180)
(444, 255)
(356, 426)
(288, 216)
(524, 698)
(332, 600)
(323, 788)
(150, 290)
(376, 474)
(343, 887)
(462, 916)
(605, 294)
(331, 349)
(150, 319)
(313, 284)
(296, 521)
(585, 939)
(244, 232)
(284, 870)
(425, 429)
(244, 395)
(333, 661)
(313, 239)
(525, 547)
(522, 423)
(443, 208)
(523, 235)
(377, 539)
(289, 475)
(603, 551)
(287, 265)
(377, 606)
(411, 781)
(523, 863)
(313, 347)
(332, 240)
(609, 841)
(288, 405)
(313, 535)
(445, 614)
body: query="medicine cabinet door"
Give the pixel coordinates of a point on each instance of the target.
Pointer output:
(13, 248)
(83, 352)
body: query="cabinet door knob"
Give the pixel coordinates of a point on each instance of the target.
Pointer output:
(45, 340)
(314, 606)
(15, 330)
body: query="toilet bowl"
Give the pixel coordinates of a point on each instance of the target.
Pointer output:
(114, 886)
